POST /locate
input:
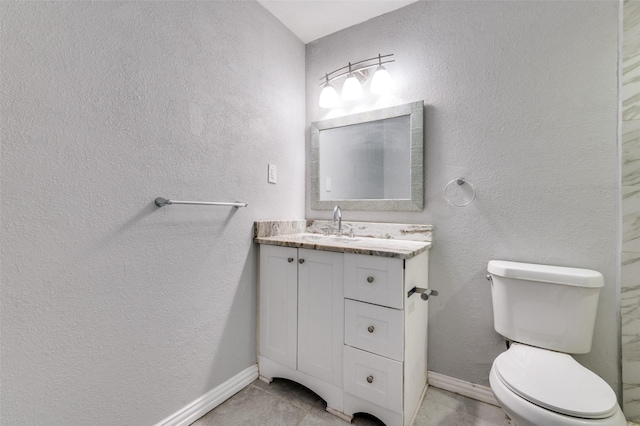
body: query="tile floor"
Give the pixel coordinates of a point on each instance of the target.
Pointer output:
(286, 403)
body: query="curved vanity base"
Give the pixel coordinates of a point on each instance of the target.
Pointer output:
(343, 416)
(353, 405)
(265, 379)
(332, 394)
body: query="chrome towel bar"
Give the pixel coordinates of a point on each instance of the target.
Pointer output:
(161, 202)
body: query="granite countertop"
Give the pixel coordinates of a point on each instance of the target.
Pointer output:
(386, 240)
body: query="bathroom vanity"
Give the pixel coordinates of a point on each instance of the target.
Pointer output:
(346, 317)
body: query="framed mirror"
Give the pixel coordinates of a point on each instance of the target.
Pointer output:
(369, 161)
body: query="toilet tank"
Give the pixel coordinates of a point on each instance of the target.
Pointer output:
(551, 307)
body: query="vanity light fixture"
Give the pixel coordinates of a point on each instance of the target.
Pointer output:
(357, 73)
(381, 82)
(328, 97)
(351, 89)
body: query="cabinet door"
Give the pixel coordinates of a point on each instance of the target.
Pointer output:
(278, 304)
(320, 314)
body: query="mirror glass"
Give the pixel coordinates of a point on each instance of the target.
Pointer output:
(369, 161)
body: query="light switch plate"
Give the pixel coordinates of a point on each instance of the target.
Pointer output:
(273, 171)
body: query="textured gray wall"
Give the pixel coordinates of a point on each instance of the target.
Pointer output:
(115, 312)
(521, 99)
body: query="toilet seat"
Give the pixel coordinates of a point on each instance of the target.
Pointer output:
(555, 381)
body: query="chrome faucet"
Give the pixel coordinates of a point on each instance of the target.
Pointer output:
(337, 215)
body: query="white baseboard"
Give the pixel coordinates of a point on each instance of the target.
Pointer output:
(470, 390)
(210, 400)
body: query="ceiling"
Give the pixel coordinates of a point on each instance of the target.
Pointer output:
(314, 19)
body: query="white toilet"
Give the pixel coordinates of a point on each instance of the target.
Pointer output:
(548, 312)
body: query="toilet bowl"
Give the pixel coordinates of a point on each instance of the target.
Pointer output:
(548, 312)
(538, 387)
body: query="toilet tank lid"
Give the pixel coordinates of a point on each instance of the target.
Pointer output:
(546, 273)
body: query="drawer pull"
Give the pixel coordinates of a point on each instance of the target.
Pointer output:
(371, 328)
(369, 279)
(301, 261)
(290, 259)
(370, 379)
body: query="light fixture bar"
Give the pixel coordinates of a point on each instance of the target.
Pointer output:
(350, 68)
(378, 58)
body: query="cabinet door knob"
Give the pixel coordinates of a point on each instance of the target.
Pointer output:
(290, 259)
(369, 279)
(301, 261)
(370, 379)
(371, 328)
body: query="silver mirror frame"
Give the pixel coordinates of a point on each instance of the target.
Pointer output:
(415, 112)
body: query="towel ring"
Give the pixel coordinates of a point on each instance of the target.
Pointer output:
(459, 181)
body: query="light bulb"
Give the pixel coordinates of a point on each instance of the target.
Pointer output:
(328, 97)
(352, 89)
(381, 83)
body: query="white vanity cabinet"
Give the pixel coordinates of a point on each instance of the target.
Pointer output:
(279, 305)
(348, 327)
(301, 319)
(385, 353)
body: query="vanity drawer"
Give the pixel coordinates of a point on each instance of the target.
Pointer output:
(374, 279)
(373, 378)
(374, 328)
